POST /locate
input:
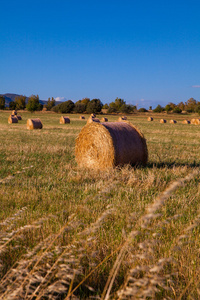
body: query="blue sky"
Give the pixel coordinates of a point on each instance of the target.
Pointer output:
(146, 52)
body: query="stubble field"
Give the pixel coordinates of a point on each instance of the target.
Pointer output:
(72, 233)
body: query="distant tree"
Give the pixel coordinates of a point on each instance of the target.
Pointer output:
(142, 109)
(64, 107)
(2, 102)
(150, 107)
(168, 108)
(105, 106)
(158, 109)
(94, 106)
(55, 108)
(190, 105)
(50, 103)
(181, 105)
(20, 102)
(172, 105)
(34, 104)
(85, 101)
(12, 105)
(79, 107)
(112, 108)
(119, 103)
(197, 108)
(177, 110)
(127, 108)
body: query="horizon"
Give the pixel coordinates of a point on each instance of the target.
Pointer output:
(62, 99)
(145, 53)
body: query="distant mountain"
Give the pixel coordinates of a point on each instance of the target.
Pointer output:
(11, 97)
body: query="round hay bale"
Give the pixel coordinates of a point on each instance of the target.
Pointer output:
(91, 119)
(124, 117)
(186, 122)
(12, 119)
(104, 119)
(64, 120)
(163, 121)
(108, 144)
(197, 121)
(193, 121)
(150, 119)
(34, 124)
(120, 119)
(82, 117)
(14, 112)
(93, 115)
(19, 117)
(172, 122)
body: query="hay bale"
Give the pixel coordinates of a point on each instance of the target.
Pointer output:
(172, 122)
(91, 119)
(93, 115)
(12, 119)
(104, 119)
(64, 120)
(186, 122)
(108, 144)
(120, 119)
(150, 119)
(163, 121)
(34, 124)
(195, 121)
(19, 117)
(14, 112)
(82, 117)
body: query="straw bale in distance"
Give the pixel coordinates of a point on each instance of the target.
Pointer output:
(12, 119)
(163, 121)
(93, 115)
(186, 122)
(14, 112)
(34, 124)
(193, 121)
(108, 144)
(172, 122)
(64, 120)
(82, 117)
(150, 119)
(122, 119)
(104, 119)
(19, 117)
(91, 119)
(196, 122)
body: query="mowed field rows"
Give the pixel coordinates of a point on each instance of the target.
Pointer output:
(72, 233)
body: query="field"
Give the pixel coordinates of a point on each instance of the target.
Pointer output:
(72, 233)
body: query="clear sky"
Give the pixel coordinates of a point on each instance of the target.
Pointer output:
(146, 52)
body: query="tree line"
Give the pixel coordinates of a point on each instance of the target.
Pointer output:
(95, 106)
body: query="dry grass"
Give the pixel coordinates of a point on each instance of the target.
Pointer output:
(74, 233)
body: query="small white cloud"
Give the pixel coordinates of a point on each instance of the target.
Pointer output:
(60, 99)
(196, 86)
